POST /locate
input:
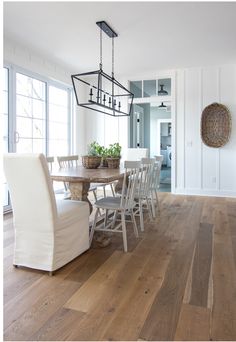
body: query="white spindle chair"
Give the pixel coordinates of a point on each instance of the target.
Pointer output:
(142, 195)
(124, 205)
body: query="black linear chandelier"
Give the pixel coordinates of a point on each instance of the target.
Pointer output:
(99, 91)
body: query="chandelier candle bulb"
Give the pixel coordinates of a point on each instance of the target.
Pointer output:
(91, 94)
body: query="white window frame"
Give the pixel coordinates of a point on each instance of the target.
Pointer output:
(12, 71)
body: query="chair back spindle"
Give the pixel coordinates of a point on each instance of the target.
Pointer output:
(68, 161)
(130, 183)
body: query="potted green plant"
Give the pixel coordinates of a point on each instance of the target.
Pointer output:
(114, 155)
(104, 154)
(93, 159)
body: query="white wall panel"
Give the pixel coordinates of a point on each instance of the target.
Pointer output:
(94, 127)
(180, 130)
(111, 129)
(123, 132)
(192, 129)
(207, 171)
(227, 167)
(210, 94)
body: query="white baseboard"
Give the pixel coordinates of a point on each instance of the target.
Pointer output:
(200, 192)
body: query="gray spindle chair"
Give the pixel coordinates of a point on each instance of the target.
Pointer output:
(124, 205)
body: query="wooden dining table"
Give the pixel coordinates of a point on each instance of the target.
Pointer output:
(80, 178)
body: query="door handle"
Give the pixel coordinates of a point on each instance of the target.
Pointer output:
(16, 137)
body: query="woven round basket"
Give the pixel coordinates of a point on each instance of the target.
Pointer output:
(215, 125)
(91, 162)
(113, 163)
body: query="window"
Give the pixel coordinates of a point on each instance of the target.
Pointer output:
(30, 114)
(39, 117)
(5, 111)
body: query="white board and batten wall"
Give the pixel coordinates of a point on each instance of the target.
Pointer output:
(201, 169)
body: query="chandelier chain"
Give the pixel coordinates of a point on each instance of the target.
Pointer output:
(100, 48)
(113, 59)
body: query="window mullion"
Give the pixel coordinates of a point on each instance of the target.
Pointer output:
(12, 109)
(69, 127)
(47, 117)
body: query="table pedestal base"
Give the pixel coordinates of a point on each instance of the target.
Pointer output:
(79, 192)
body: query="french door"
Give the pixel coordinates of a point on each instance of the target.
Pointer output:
(5, 130)
(30, 120)
(36, 116)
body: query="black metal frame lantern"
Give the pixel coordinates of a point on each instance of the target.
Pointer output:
(99, 91)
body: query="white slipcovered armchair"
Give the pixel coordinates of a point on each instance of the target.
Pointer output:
(49, 233)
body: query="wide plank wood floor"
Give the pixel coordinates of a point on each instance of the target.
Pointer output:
(177, 282)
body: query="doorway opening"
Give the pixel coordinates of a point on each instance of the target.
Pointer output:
(164, 140)
(152, 122)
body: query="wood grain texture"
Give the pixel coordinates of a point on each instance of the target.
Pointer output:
(163, 317)
(202, 266)
(193, 324)
(59, 326)
(38, 314)
(81, 174)
(185, 256)
(224, 279)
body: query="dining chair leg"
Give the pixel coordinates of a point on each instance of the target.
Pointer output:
(96, 198)
(153, 206)
(93, 227)
(134, 224)
(124, 231)
(104, 191)
(106, 217)
(149, 209)
(157, 200)
(112, 190)
(141, 215)
(114, 219)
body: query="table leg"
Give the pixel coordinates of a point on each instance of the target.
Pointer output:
(79, 192)
(119, 184)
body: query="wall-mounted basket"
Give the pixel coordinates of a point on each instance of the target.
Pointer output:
(215, 125)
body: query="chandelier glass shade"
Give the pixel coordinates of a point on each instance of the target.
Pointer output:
(99, 91)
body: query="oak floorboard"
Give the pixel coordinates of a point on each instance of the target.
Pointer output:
(16, 280)
(202, 266)
(133, 310)
(231, 214)
(193, 324)
(116, 292)
(163, 316)
(59, 326)
(223, 321)
(146, 294)
(39, 313)
(39, 288)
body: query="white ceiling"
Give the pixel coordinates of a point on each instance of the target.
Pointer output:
(152, 35)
